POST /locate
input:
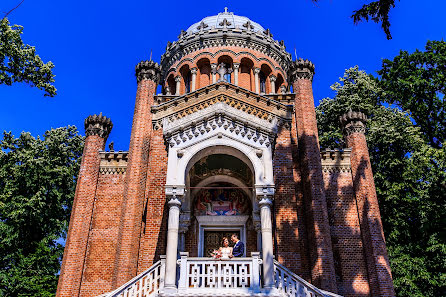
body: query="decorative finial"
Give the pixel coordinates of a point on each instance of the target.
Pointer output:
(226, 10)
(98, 125)
(111, 146)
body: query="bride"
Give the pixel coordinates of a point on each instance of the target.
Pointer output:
(225, 250)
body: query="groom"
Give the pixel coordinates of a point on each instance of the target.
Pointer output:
(239, 248)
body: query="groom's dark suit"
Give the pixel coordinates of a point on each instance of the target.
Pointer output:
(239, 249)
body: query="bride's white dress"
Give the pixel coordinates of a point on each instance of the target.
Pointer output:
(225, 252)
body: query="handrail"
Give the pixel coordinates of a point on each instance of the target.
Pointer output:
(284, 285)
(146, 284)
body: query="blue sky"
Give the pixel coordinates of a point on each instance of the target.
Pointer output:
(96, 44)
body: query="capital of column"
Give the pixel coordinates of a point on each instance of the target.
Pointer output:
(265, 194)
(98, 125)
(283, 89)
(301, 69)
(256, 70)
(148, 70)
(272, 78)
(214, 68)
(178, 78)
(353, 122)
(193, 71)
(174, 195)
(236, 66)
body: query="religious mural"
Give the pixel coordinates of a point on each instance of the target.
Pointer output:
(221, 202)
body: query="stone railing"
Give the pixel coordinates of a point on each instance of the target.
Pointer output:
(207, 274)
(146, 284)
(292, 285)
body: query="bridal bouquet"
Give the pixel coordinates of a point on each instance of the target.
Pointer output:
(216, 254)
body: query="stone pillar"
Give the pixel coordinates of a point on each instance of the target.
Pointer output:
(147, 75)
(214, 72)
(193, 71)
(97, 129)
(265, 202)
(272, 79)
(321, 253)
(378, 265)
(236, 67)
(177, 85)
(173, 225)
(256, 80)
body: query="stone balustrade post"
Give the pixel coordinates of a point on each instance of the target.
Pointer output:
(273, 79)
(183, 270)
(236, 67)
(256, 261)
(256, 80)
(193, 71)
(178, 85)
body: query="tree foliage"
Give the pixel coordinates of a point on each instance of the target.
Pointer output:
(20, 63)
(377, 11)
(409, 176)
(37, 185)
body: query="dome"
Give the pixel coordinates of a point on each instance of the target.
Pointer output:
(232, 21)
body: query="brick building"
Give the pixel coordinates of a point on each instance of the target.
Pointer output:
(230, 146)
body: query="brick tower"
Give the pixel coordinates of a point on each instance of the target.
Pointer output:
(227, 150)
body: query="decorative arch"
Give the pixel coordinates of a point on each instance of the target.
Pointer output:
(246, 79)
(204, 72)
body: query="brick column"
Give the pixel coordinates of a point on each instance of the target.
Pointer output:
(321, 255)
(148, 75)
(97, 129)
(369, 216)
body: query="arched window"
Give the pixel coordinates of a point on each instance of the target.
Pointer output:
(262, 78)
(187, 80)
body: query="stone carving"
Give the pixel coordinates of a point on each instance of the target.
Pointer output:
(220, 117)
(268, 33)
(202, 26)
(225, 23)
(222, 71)
(336, 160)
(248, 25)
(148, 70)
(301, 69)
(98, 125)
(353, 122)
(272, 78)
(111, 146)
(261, 107)
(113, 162)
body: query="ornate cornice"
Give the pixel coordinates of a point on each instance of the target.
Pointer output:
(336, 161)
(148, 70)
(113, 162)
(259, 106)
(225, 37)
(301, 69)
(353, 122)
(98, 125)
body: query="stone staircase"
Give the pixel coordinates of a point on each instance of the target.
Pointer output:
(210, 277)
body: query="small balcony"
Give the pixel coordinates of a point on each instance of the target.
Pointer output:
(210, 277)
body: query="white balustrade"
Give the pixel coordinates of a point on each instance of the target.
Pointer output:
(146, 284)
(198, 274)
(292, 285)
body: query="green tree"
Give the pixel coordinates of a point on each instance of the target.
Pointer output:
(409, 177)
(37, 185)
(377, 11)
(417, 83)
(20, 63)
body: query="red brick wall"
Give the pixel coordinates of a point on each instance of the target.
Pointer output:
(350, 266)
(370, 218)
(97, 277)
(130, 228)
(153, 237)
(288, 239)
(321, 255)
(76, 244)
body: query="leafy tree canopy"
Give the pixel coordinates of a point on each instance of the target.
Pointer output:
(37, 185)
(20, 63)
(417, 83)
(377, 11)
(409, 176)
